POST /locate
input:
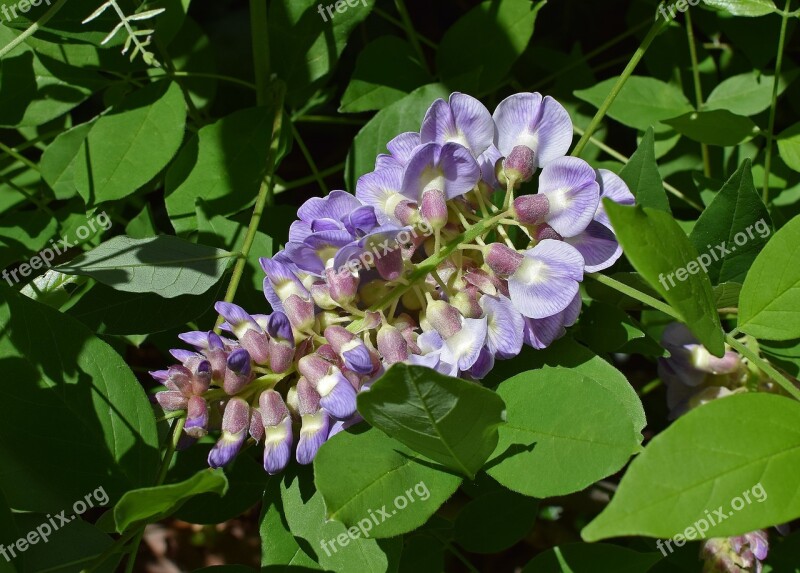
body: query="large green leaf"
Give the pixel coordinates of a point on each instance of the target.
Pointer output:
(642, 102)
(642, 177)
(718, 127)
(643, 234)
(735, 221)
(130, 144)
(481, 528)
(280, 550)
(166, 265)
(564, 431)
(789, 146)
(153, 503)
(386, 70)
(381, 474)
(337, 548)
(477, 52)
(451, 421)
(403, 115)
(223, 165)
(745, 94)
(705, 466)
(749, 8)
(91, 425)
(769, 304)
(58, 161)
(306, 41)
(590, 558)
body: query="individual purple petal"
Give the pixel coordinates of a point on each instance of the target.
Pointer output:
(449, 168)
(159, 375)
(463, 120)
(487, 163)
(504, 326)
(337, 395)
(542, 332)
(235, 423)
(336, 205)
(526, 119)
(392, 345)
(299, 230)
(182, 355)
(326, 225)
(238, 319)
(483, 365)
(350, 349)
(280, 283)
(381, 189)
(547, 280)
(573, 194)
(313, 433)
(196, 338)
(464, 347)
(598, 246)
(613, 187)
(342, 425)
(361, 221)
(402, 146)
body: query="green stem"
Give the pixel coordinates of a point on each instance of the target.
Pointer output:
(773, 107)
(264, 194)
(259, 33)
(32, 29)
(763, 365)
(698, 88)
(19, 157)
(286, 186)
(636, 294)
(210, 76)
(626, 73)
(310, 160)
(411, 33)
(327, 119)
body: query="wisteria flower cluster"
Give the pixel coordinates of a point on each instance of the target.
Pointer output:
(423, 265)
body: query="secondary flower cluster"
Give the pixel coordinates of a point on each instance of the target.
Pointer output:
(433, 262)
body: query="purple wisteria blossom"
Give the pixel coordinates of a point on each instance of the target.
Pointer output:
(418, 266)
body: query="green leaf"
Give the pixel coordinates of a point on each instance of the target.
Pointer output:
(606, 328)
(380, 471)
(23, 233)
(153, 503)
(130, 144)
(387, 70)
(92, 424)
(280, 550)
(735, 221)
(477, 52)
(307, 40)
(718, 127)
(337, 548)
(789, 146)
(642, 177)
(451, 421)
(643, 232)
(493, 522)
(223, 164)
(564, 431)
(769, 304)
(590, 558)
(746, 94)
(166, 265)
(52, 288)
(726, 295)
(643, 102)
(403, 115)
(703, 465)
(784, 353)
(58, 161)
(749, 8)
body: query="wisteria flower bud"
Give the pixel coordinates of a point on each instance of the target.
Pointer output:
(531, 209)
(235, 423)
(434, 208)
(246, 329)
(703, 360)
(520, 165)
(256, 429)
(443, 317)
(300, 312)
(196, 417)
(545, 231)
(466, 301)
(281, 342)
(407, 212)
(392, 346)
(201, 380)
(350, 348)
(278, 436)
(172, 400)
(238, 372)
(216, 356)
(342, 285)
(501, 259)
(179, 379)
(315, 423)
(321, 294)
(336, 393)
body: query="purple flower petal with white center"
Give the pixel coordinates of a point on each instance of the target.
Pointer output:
(336, 205)
(542, 332)
(463, 120)
(196, 338)
(572, 192)
(235, 423)
(238, 319)
(381, 190)
(317, 251)
(351, 349)
(612, 187)
(487, 162)
(313, 433)
(361, 221)
(449, 168)
(402, 146)
(547, 280)
(597, 245)
(280, 283)
(504, 326)
(464, 347)
(337, 395)
(483, 365)
(278, 436)
(182, 355)
(541, 124)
